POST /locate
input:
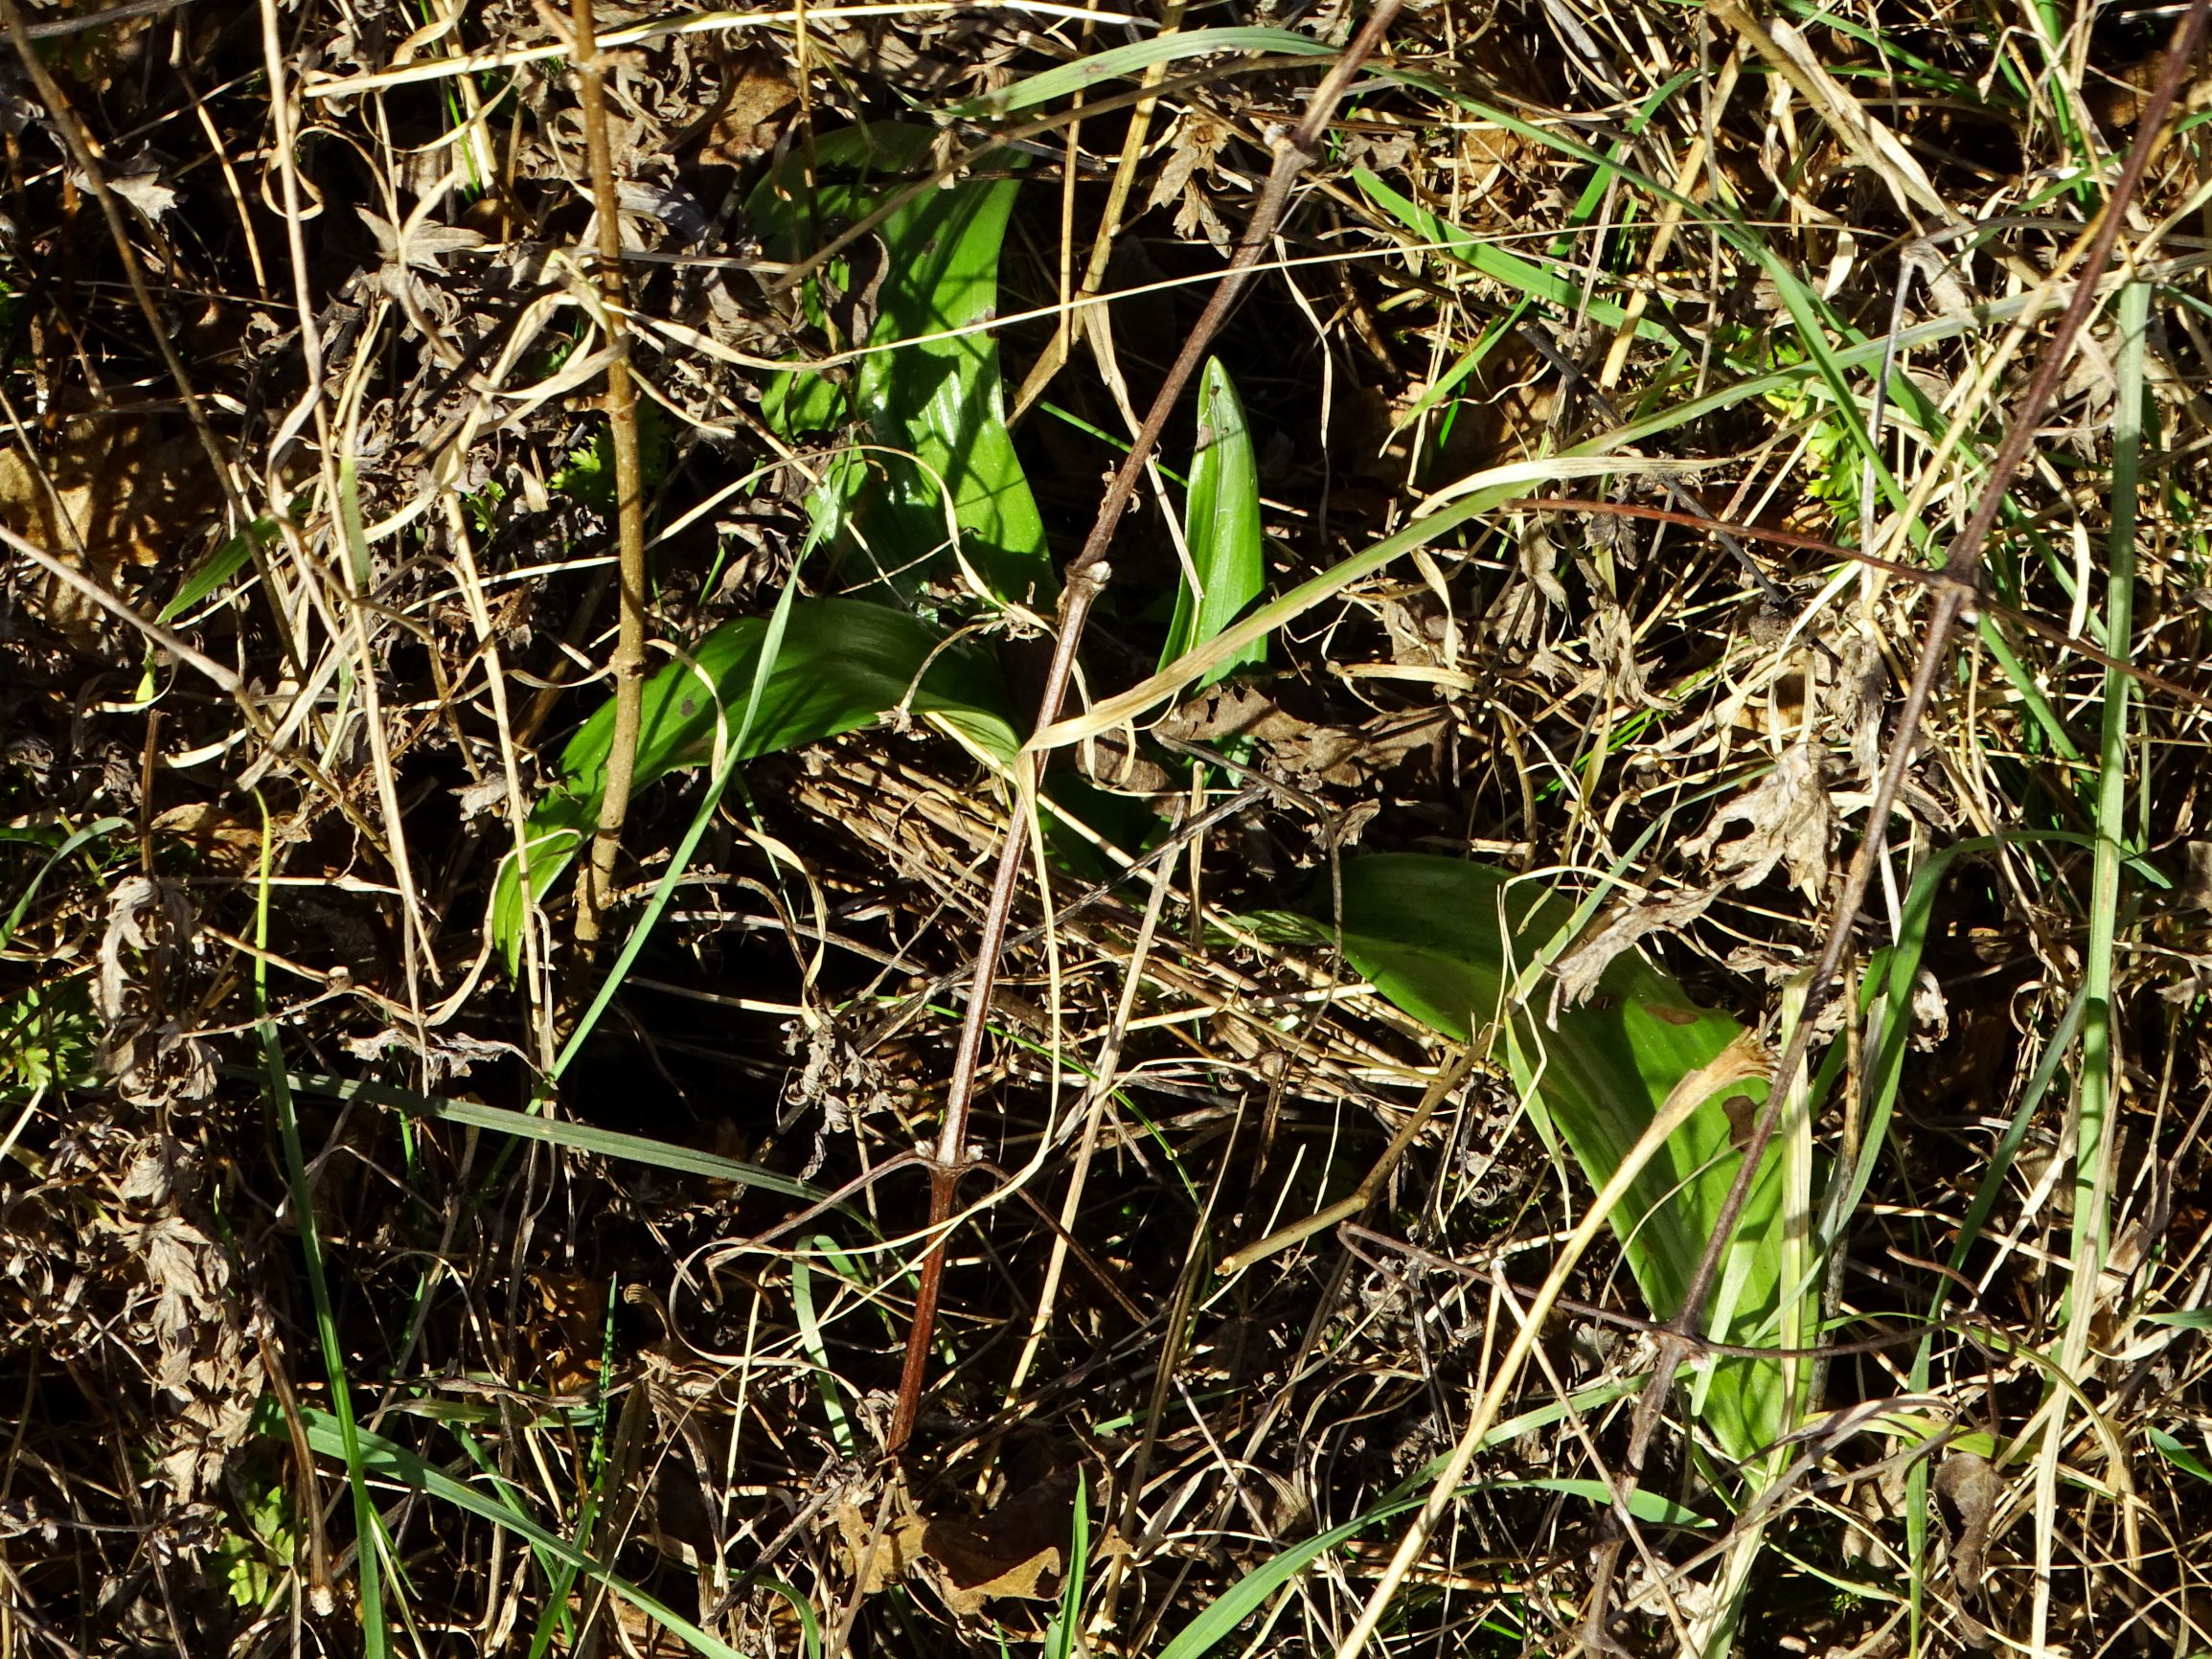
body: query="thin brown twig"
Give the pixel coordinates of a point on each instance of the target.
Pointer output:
(1086, 576)
(595, 882)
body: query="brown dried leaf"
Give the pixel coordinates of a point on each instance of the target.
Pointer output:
(756, 90)
(148, 1053)
(1231, 712)
(419, 244)
(1970, 1488)
(222, 840)
(1613, 647)
(879, 1561)
(975, 1565)
(1350, 757)
(110, 491)
(1790, 823)
(1195, 149)
(1347, 757)
(1619, 928)
(2195, 887)
(1011, 1553)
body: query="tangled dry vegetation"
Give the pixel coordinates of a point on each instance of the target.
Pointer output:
(394, 1260)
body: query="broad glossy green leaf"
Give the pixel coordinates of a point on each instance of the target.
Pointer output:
(1444, 940)
(1222, 528)
(843, 664)
(933, 408)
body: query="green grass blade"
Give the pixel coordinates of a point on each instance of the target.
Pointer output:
(390, 1461)
(817, 1349)
(91, 831)
(218, 567)
(2178, 1455)
(1484, 255)
(1248, 1594)
(1222, 528)
(368, 1528)
(575, 1137)
(1065, 1632)
(1116, 61)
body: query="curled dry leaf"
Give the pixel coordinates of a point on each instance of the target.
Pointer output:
(1619, 928)
(1969, 1489)
(1788, 822)
(143, 191)
(1195, 149)
(150, 1055)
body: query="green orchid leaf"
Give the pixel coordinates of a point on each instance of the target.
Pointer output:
(843, 664)
(1446, 941)
(1222, 528)
(928, 396)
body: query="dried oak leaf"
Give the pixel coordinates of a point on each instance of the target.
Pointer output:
(1011, 1553)
(1790, 823)
(1014, 1551)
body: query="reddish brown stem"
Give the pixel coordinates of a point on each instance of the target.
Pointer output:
(1087, 574)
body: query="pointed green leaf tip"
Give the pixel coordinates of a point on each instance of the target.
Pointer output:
(1222, 528)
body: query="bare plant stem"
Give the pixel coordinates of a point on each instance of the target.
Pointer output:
(1086, 576)
(628, 665)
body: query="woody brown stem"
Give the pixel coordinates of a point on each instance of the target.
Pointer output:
(627, 666)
